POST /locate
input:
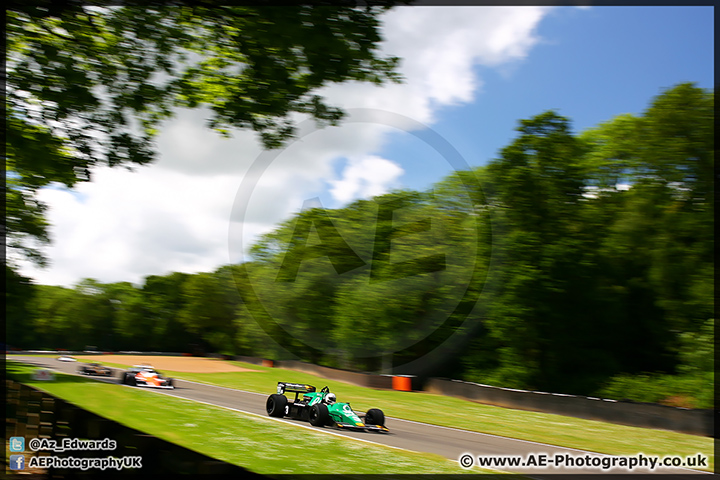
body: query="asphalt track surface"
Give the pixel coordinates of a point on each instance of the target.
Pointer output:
(451, 443)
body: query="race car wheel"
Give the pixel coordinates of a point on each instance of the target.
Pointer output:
(375, 416)
(319, 415)
(276, 404)
(131, 380)
(171, 383)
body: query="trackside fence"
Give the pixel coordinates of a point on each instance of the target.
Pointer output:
(636, 414)
(356, 378)
(649, 415)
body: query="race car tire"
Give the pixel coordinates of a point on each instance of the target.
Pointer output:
(319, 415)
(131, 380)
(375, 416)
(171, 383)
(276, 404)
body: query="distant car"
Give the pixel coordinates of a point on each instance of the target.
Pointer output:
(94, 369)
(66, 358)
(145, 376)
(321, 409)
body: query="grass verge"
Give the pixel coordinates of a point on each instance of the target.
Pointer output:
(453, 412)
(260, 444)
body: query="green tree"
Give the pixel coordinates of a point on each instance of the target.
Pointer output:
(209, 307)
(538, 184)
(53, 317)
(90, 86)
(590, 258)
(163, 299)
(132, 326)
(73, 318)
(20, 295)
(657, 249)
(299, 267)
(92, 316)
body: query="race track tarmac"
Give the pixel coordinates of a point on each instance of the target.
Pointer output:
(420, 437)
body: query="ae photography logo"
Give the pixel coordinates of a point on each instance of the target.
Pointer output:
(431, 250)
(587, 461)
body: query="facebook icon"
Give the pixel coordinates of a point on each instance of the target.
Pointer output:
(17, 462)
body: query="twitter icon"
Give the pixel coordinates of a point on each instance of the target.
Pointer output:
(17, 444)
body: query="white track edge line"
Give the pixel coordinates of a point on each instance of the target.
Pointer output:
(463, 430)
(535, 443)
(312, 429)
(401, 420)
(286, 422)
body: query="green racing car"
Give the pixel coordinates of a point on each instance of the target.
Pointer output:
(321, 409)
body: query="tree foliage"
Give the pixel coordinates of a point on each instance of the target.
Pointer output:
(89, 85)
(571, 263)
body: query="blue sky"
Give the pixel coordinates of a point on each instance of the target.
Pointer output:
(471, 74)
(590, 65)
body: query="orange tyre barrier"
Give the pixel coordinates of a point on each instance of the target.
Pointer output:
(403, 384)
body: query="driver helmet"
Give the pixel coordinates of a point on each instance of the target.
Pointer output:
(330, 398)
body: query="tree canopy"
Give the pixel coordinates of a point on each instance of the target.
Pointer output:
(90, 85)
(573, 263)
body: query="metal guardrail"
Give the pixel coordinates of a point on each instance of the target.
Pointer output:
(636, 414)
(647, 415)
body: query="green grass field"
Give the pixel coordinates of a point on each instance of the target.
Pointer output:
(458, 413)
(453, 412)
(260, 444)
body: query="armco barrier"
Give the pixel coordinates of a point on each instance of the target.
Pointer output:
(32, 413)
(371, 380)
(649, 415)
(356, 378)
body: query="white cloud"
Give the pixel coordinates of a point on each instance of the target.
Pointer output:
(365, 178)
(126, 225)
(175, 214)
(439, 48)
(188, 147)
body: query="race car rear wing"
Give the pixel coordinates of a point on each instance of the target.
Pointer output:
(283, 387)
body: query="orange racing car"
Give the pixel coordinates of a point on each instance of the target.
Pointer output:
(146, 376)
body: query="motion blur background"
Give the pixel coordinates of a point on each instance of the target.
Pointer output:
(577, 246)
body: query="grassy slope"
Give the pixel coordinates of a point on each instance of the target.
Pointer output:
(258, 443)
(458, 413)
